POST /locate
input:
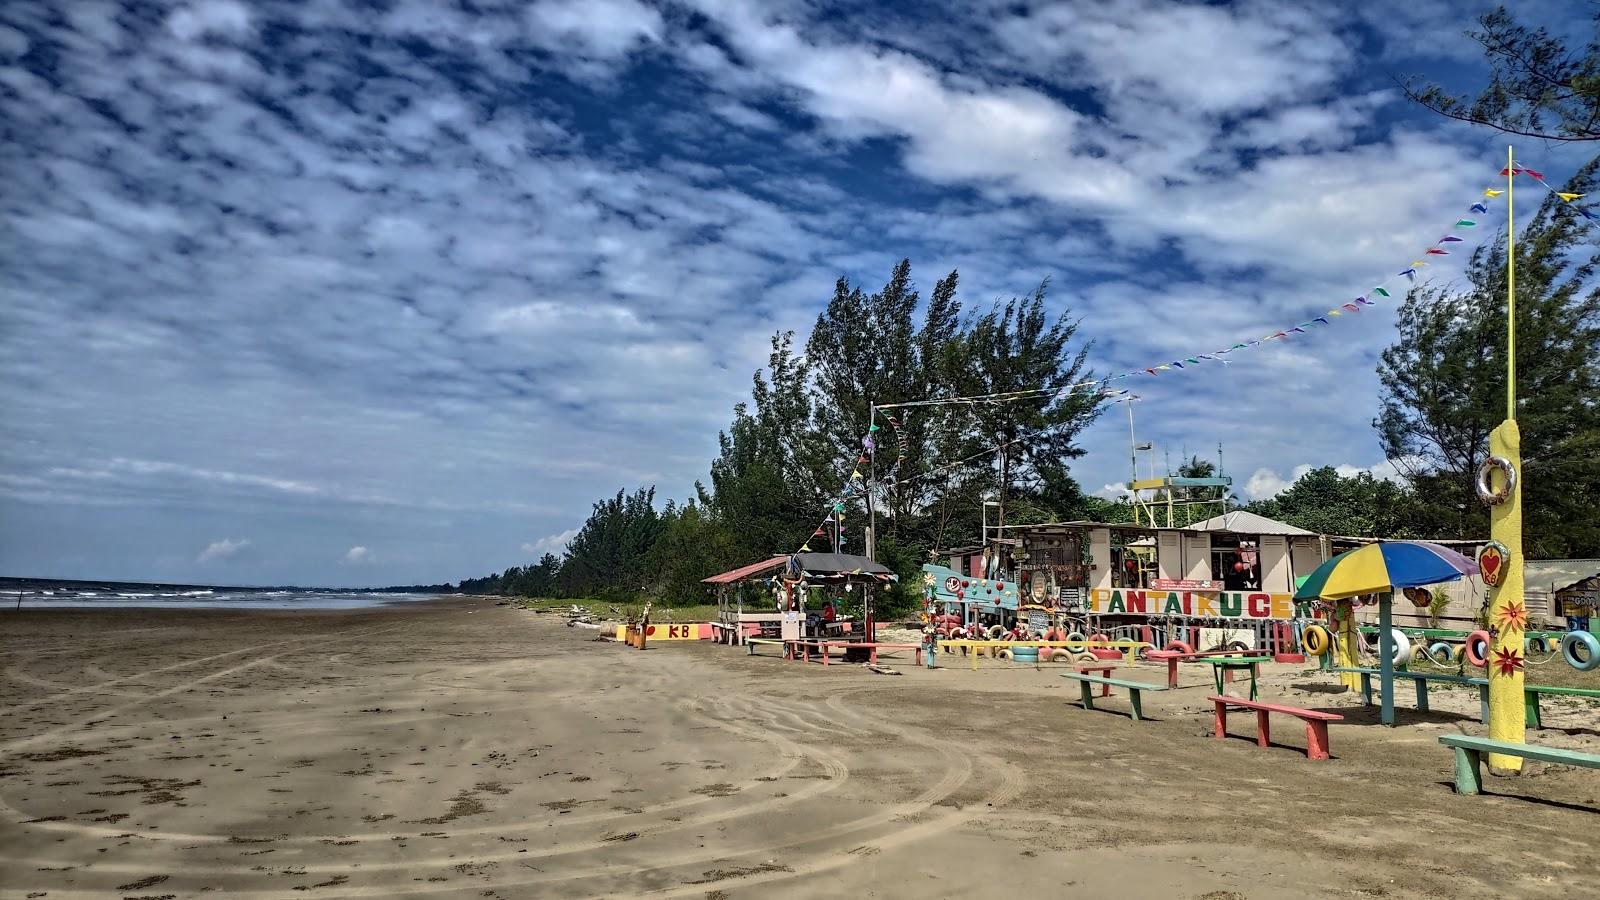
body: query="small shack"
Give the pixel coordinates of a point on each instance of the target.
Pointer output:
(770, 597)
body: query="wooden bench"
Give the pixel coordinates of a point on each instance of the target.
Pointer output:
(1421, 679)
(750, 644)
(872, 648)
(1530, 699)
(1316, 723)
(1134, 688)
(1470, 750)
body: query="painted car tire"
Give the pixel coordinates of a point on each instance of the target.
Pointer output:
(1098, 637)
(1076, 637)
(1060, 655)
(1402, 647)
(1459, 653)
(1569, 646)
(994, 632)
(1439, 653)
(1004, 654)
(1489, 495)
(1087, 657)
(1238, 646)
(1179, 647)
(1316, 640)
(1476, 656)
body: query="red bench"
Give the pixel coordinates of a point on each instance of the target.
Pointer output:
(1316, 722)
(872, 649)
(1090, 669)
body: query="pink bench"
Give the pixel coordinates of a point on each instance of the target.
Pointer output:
(1316, 723)
(1173, 657)
(872, 648)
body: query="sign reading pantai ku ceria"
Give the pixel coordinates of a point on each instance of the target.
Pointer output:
(1222, 604)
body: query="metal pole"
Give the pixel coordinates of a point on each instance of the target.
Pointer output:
(872, 474)
(1386, 657)
(1511, 287)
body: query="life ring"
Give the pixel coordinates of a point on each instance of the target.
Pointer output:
(1591, 646)
(1402, 646)
(1478, 648)
(1439, 652)
(1178, 647)
(1316, 640)
(1488, 494)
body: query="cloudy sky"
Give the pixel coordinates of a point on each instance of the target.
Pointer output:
(376, 293)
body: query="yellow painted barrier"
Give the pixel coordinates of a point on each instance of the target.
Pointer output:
(1130, 648)
(662, 631)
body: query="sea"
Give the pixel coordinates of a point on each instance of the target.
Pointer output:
(47, 593)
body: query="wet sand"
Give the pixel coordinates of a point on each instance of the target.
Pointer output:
(463, 749)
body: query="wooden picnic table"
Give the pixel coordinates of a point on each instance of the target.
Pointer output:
(1173, 657)
(1223, 667)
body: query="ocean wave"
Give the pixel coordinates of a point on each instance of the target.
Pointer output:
(129, 596)
(195, 594)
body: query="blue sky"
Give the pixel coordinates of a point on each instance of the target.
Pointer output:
(369, 294)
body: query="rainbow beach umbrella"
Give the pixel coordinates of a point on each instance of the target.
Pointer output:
(1381, 569)
(1384, 567)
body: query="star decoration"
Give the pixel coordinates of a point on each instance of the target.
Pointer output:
(1513, 616)
(1507, 661)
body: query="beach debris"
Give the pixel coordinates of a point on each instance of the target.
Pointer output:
(876, 669)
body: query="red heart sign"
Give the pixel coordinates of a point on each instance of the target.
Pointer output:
(1490, 564)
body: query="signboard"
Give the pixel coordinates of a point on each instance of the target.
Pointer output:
(1038, 621)
(1185, 584)
(1222, 604)
(1579, 603)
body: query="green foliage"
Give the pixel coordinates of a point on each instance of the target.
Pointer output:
(1444, 385)
(788, 451)
(1537, 86)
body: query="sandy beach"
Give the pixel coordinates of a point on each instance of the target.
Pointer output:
(460, 748)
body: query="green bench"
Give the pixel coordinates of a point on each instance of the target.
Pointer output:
(1530, 699)
(1421, 680)
(1470, 750)
(1134, 688)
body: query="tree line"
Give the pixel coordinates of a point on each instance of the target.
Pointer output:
(788, 450)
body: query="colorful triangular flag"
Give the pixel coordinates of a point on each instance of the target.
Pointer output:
(1435, 251)
(1480, 207)
(1381, 292)
(1491, 193)
(1466, 223)
(1567, 197)
(1449, 239)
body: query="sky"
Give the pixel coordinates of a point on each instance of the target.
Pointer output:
(363, 294)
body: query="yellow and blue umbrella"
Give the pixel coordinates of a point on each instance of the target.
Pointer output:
(1384, 567)
(1381, 569)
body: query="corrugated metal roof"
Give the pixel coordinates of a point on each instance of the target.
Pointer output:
(1546, 574)
(1244, 522)
(743, 572)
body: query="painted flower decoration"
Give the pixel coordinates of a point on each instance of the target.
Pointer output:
(1513, 616)
(1507, 662)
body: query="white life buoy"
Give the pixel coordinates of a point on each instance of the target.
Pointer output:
(1402, 646)
(1486, 492)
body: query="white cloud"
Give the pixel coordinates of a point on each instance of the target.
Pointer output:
(552, 543)
(1115, 490)
(225, 549)
(359, 556)
(219, 18)
(602, 29)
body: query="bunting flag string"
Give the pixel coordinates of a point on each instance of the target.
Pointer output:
(854, 486)
(1567, 197)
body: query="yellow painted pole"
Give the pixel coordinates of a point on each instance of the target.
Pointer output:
(1508, 614)
(1348, 654)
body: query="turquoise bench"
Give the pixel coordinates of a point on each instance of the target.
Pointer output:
(1530, 700)
(1421, 680)
(1134, 688)
(1470, 750)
